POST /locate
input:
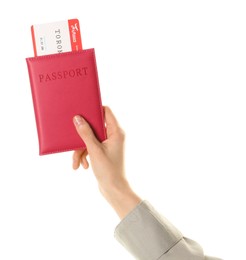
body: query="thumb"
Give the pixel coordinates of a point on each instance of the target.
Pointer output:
(85, 132)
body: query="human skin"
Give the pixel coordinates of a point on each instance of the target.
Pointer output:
(107, 162)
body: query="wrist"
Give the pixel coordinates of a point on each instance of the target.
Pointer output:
(121, 197)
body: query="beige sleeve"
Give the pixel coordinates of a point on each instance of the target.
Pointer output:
(149, 236)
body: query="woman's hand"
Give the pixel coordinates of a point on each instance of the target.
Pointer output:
(107, 162)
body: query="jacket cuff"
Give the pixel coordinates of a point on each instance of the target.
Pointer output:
(145, 233)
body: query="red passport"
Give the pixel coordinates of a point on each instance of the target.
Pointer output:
(64, 85)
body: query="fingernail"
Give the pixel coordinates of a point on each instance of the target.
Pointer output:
(78, 120)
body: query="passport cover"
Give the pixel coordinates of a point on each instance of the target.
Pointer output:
(64, 85)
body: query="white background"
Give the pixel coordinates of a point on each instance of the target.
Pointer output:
(173, 72)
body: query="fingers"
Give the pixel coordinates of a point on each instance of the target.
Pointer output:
(85, 132)
(79, 157)
(112, 124)
(84, 161)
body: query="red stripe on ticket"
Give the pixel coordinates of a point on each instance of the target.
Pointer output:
(75, 36)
